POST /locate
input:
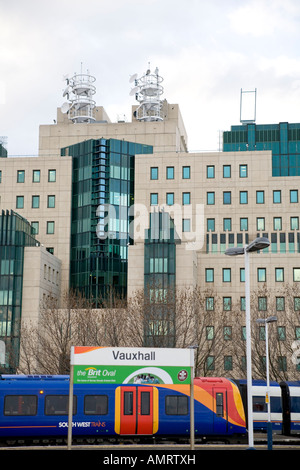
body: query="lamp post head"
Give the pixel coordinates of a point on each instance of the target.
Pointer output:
(267, 320)
(258, 244)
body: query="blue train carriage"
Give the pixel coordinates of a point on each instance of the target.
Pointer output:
(291, 405)
(35, 408)
(260, 407)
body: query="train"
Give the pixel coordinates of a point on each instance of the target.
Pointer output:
(285, 405)
(35, 408)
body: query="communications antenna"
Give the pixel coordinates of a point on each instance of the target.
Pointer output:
(79, 93)
(248, 106)
(147, 91)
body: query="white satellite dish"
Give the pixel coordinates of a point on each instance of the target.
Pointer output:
(134, 90)
(133, 77)
(65, 108)
(67, 90)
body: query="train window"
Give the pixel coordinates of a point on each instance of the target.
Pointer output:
(59, 405)
(96, 405)
(295, 404)
(145, 403)
(128, 403)
(176, 405)
(259, 405)
(20, 405)
(219, 404)
(276, 406)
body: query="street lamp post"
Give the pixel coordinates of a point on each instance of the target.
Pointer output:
(257, 244)
(266, 321)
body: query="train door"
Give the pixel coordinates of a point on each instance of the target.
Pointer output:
(220, 410)
(136, 410)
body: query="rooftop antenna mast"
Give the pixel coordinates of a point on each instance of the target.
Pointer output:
(79, 93)
(148, 90)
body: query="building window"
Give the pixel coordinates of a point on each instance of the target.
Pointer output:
(260, 197)
(210, 198)
(50, 227)
(243, 171)
(243, 304)
(35, 204)
(294, 223)
(277, 197)
(209, 303)
(227, 224)
(0, 176)
(277, 223)
(226, 303)
(282, 364)
(260, 223)
(243, 197)
(293, 195)
(228, 363)
(170, 199)
(51, 202)
(210, 225)
(153, 199)
(262, 333)
(35, 228)
(244, 223)
(21, 176)
(51, 176)
(242, 274)
(261, 274)
(226, 274)
(226, 171)
(281, 332)
(186, 198)
(210, 363)
(20, 202)
(280, 304)
(209, 275)
(170, 172)
(154, 173)
(210, 171)
(186, 225)
(262, 304)
(36, 176)
(186, 172)
(296, 304)
(227, 331)
(279, 274)
(296, 274)
(227, 197)
(209, 333)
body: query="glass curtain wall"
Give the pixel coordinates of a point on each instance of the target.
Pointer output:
(15, 235)
(103, 177)
(160, 281)
(282, 139)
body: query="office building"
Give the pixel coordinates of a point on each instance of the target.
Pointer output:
(173, 213)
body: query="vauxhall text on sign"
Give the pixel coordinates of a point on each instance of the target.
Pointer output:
(130, 365)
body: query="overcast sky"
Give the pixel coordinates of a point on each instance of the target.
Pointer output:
(206, 52)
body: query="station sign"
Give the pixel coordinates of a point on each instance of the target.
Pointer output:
(107, 365)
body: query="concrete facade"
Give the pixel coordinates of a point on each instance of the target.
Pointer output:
(193, 262)
(167, 135)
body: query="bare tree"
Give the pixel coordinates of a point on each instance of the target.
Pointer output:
(282, 334)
